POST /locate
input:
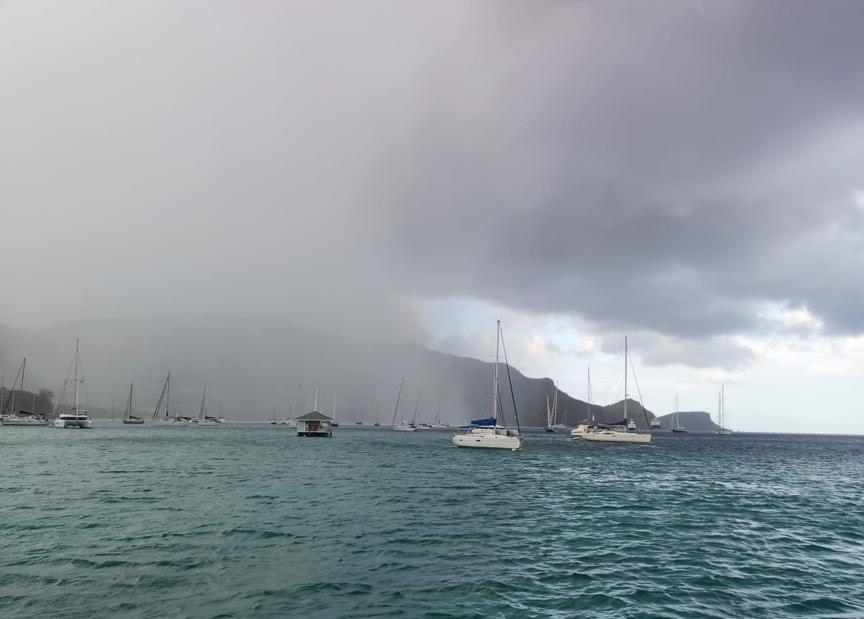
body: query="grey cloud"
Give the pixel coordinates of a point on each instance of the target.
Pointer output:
(663, 168)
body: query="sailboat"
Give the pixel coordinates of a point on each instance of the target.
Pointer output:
(165, 397)
(550, 415)
(203, 421)
(487, 433)
(721, 413)
(402, 426)
(128, 417)
(583, 428)
(334, 423)
(16, 416)
(289, 420)
(626, 433)
(77, 417)
(438, 423)
(676, 426)
(418, 425)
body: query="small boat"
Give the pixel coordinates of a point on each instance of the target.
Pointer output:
(402, 426)
(77, 417)
(203, 421)
(17, 416)
(487, 433)
(128, 417)
(625, 432)
(314, 423)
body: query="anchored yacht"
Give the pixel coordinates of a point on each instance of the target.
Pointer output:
(77, 417)
(487, 433)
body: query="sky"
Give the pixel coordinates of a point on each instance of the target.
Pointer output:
(688, 174)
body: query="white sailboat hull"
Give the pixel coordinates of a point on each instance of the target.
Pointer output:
(616, 436)
(404, 429)
(15, 420)
(579, 431)
(487, 439)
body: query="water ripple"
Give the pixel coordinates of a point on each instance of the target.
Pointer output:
(251, 521)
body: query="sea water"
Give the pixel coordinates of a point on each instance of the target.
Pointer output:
(252, 521)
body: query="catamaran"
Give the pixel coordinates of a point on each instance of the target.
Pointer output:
(128, 417)
(17, 416)
(77, 417)
(487, 433)
(624, 432)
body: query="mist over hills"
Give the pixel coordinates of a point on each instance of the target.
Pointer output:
(256, 366)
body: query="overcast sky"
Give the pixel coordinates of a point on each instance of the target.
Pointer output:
(689, 174)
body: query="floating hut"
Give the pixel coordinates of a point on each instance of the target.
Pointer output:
(314, 424)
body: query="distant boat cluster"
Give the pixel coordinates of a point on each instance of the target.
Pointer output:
(487, 433)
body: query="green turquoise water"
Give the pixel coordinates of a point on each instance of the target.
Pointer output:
(251, 521)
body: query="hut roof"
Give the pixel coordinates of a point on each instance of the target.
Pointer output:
(313, 416)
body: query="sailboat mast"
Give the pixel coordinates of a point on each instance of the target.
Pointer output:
(495, 375)
(626, 354)
(417, 407)
(590, 398)
(167, 394)
(202, 414)
(555, 406)
(315, 408)
(76, 376)
(23, 369)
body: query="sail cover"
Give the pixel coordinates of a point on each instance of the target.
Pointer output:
(489, 421)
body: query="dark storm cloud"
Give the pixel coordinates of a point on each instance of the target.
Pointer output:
(675, 171)
(666, 167)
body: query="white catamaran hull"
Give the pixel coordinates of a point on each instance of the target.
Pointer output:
(615, 436)
(404, 429)
(73, 423)
(486, 439)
